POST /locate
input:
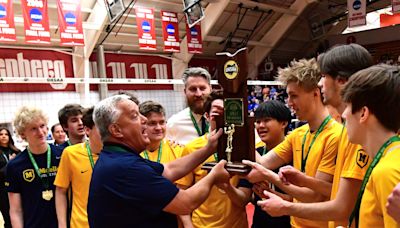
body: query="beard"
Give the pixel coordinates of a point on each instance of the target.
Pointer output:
(196, 106)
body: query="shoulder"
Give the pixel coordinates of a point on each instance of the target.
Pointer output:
(57, 150)
(197, 143)
(299, 131)
(183, 114)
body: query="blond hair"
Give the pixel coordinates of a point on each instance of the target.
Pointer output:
(304, 72)
(26, 115)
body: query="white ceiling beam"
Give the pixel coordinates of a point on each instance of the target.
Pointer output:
(274, 35)
(265, 6)
(212, 14)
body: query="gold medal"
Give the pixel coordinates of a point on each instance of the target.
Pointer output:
(47, 195)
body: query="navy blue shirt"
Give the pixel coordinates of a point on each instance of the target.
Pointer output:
(21, 178)
(129, 191)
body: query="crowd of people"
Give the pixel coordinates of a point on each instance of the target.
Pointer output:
(125, 165)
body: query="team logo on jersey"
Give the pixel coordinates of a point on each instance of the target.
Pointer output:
(29, 175)
(362, 158)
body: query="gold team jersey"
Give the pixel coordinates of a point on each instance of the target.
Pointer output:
(321, 157)
(352, 162)
(217, 211)
(383, 179)
(168, 154)
(75, 169)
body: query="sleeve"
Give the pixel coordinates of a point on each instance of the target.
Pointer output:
(63, 177)
(328, 160)
(12, 182)
(285, 150)
(187, 180)
(383, 187)
(171, 135)
(144, 185)
(356, 162)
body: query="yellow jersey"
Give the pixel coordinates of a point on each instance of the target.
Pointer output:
(75, 170)
(321, 157)
(383, 179)
(352, 162)
(217, 211)
(168, 154)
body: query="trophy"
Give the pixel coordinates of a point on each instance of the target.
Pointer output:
(237, 142)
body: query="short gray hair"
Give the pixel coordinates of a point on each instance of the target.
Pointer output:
(106, 113)
(196, 72)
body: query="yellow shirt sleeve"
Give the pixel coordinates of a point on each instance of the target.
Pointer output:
(285, 149)
(63, 177)
(187, 180)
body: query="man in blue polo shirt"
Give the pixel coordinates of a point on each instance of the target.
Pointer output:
(129, 191)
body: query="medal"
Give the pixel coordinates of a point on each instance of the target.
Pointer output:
(47, 195)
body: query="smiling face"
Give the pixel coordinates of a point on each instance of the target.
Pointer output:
(302, 102)
(156, 126)
(196, 89)
(270, 129)
(130, 127)
(35, 133)
(59, 135)
(4, 138)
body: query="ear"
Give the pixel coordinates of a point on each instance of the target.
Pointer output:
(207, 116)
(87, 130)
(115, 131)
(341, 81)
(284, 124)
(364, 114)
(22, 135)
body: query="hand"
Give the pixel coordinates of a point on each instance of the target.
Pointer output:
(260, 187)
(257, 174)
(213, 140)
(12, 156)
(289, 175)
(393, 204)
(219, 172)
(273, 205)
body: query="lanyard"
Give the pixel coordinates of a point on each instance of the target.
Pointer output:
(374, 162)
(264, 151)
(199, 131)
(45, 180)
(304, 159)
(69, 142)
(89, 153)
(146, 155)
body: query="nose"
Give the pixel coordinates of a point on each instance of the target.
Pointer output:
(143, 119)
(198, 92)
(321, 82)
(80, 122)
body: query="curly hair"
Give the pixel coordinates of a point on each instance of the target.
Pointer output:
(304, 72)
(26, 115)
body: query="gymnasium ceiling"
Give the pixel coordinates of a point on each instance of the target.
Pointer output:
(284, 31)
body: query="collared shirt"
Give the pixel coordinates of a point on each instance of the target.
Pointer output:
(127, 190)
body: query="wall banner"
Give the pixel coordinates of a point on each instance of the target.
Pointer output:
(170, 30)
(194, 41)
(7, 26)
(70, 22)
(357, 13)
(146, 28)
(36, 21)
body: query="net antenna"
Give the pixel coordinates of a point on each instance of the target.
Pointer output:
(193, 11)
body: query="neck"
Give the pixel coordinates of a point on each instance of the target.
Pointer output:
(340, 108)
(375, 138)
(153, 146)
(273, 143)
(76, 139)
(3, 145)
(38, 149)
(316, 120)
(95, 147)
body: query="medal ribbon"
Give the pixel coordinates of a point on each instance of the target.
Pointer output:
(199, 131)
(44, 180)
(146, 155)
(375, 161)
(89, 153)
(320, 128)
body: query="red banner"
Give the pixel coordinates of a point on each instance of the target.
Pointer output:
(70, 22)
(36, 21)
(194, 41)
(7, 26)
(137, 67)
(51, 65)
(170, 29)
(146, 28)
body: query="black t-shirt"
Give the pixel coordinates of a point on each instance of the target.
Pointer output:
(21, 178)
(129, 191)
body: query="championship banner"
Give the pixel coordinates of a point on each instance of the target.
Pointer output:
(70, 22)
(357, 13)
(36, 21)
(7, 26)
(395, 6)
(194, 41)
(54, 67)
(146, 28)
(124, 66)
(170, 30)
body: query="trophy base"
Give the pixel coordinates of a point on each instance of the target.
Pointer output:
(233, 168)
